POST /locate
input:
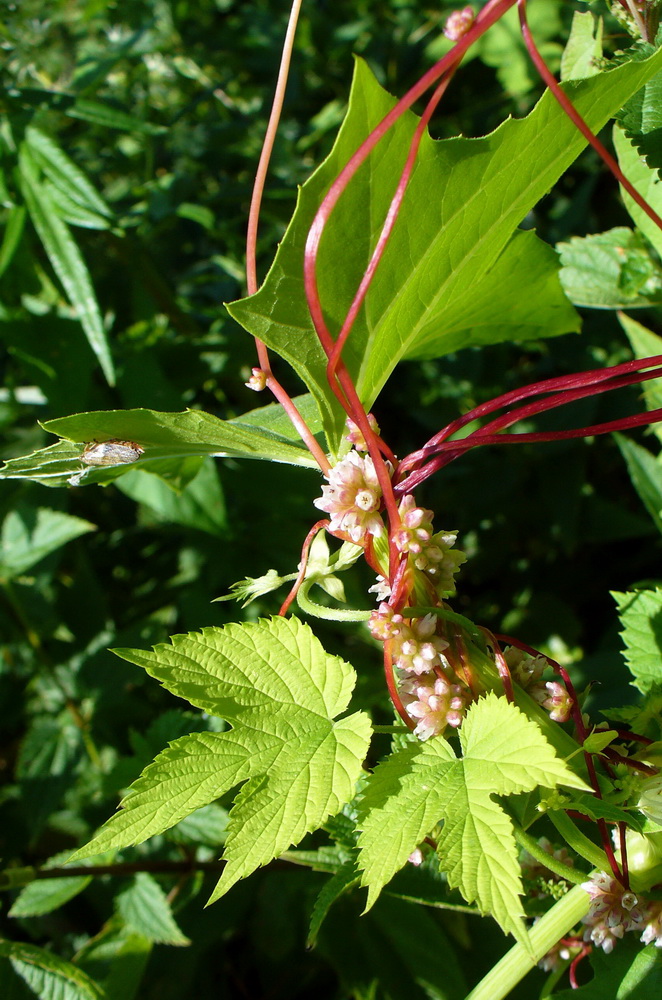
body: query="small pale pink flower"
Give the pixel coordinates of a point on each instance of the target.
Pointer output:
(524, 668)
(613, 911)
(382, 589)
(416, 648)
(459, 22)
(416, 857)
(652, 924)
(435, 702)
(385, 623)
(257, 381)
(355, 434)
(553, 696)
(353, 498)
(429, 552)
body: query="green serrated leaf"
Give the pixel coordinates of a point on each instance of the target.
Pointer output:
(145, 909)
(612, 270)
(452, 273)
(340, 883)
(116, 958)
(416, 788)
(640, 613)
(12, 236)
(66, 259)
(631, 973)
(641, 120)
(273, 681)
(645, 344)
(47, 975)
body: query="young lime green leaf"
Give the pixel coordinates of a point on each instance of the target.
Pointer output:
(66, 259)
(503, 753)
(640, 613)
(145, 908)
(453, 272)
(645, 472)
(47, 975)
(29, 534)
(612, 270)
(584, 47)
(273, 681)
(647, 182)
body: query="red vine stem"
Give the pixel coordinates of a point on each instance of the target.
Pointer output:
(251, 239)
(576, 118)
(305, 552)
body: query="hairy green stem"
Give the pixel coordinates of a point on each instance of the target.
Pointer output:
(512, 968)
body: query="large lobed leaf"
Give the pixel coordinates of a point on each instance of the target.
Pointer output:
(640, 613)
(273, 681)
(456, 266)
(503, 753)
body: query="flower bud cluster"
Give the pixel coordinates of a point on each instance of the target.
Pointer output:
(458, 23)
(430, 553)
(355, 434)
(553, 696)
(435, 702)
(527, 671)
(353, 498)
(418, 655)
(535, 871)
(613, 911)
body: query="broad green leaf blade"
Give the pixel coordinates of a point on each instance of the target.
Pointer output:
(275, 682)
(43, 895)
(647, 182)
(612, 270)
(465, 201)
(239, 671)
(170, 435)
(66, 259)
(640, 613)
(410, 793)
(646, 475)
(47, 975)
(29, 534)
(645, 344)
(191, 772)
(145, 908)
(312, 779)
(201, 504)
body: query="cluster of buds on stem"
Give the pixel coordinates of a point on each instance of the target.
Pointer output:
(527, 671)
(430, 693)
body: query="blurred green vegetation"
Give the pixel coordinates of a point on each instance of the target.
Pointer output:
(162, 105)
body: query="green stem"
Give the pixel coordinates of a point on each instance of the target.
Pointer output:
(329, 614)
(512, 968)
(531, 845)
(578, 841)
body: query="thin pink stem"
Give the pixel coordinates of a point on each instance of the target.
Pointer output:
(577, 119)
(265, 157)
(303, 565)
(393, 688)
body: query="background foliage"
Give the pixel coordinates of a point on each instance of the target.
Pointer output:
(162, 106)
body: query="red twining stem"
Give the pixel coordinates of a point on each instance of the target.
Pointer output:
(305, 552)
(393, 688)
(577, 119)
(560, 383)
